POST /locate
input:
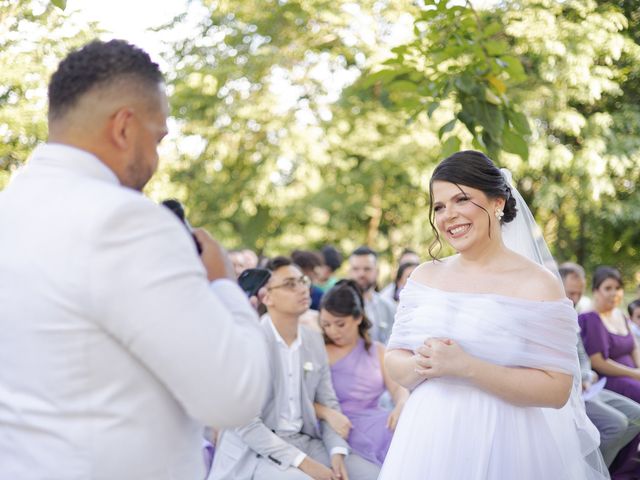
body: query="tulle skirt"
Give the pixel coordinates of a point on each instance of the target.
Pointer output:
(451, 430)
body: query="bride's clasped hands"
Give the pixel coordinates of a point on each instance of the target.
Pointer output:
(442, 357)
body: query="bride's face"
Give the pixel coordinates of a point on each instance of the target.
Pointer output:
(464, 214)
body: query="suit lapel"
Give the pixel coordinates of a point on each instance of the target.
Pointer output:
(278, 374)
(307, 397)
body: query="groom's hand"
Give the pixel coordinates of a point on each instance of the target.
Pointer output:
(214, 257)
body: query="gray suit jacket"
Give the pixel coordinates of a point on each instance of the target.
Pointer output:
(239, 450)
(381, 312)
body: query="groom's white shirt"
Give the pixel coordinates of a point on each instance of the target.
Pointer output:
(114, 350)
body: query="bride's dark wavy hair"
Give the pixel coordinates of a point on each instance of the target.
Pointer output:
(343, 300)
(476, 170)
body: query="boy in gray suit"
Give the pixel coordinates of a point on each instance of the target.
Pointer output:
(286, 441)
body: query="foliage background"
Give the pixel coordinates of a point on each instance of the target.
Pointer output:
(305, 122)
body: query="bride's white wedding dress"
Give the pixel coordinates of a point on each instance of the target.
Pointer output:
(452, 430)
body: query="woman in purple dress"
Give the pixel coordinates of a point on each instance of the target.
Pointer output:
(607, 337)
(359, 378)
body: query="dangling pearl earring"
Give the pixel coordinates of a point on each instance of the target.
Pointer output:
(499, 214)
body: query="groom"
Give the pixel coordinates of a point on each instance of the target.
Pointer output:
(285, 441)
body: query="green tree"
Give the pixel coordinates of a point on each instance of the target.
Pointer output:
(299, 127)
(580, 60)
(252, 86)
(460, 56)
(34, 36)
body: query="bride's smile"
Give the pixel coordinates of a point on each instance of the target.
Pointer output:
(462, 214)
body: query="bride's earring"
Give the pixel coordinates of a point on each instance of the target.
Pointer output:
(499, 214)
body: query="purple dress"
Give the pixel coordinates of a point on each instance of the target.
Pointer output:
(597, 339)
(358, 382)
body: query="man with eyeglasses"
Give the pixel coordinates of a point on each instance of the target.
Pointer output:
(286, 441)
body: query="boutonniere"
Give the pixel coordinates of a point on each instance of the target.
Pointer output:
(307, 367)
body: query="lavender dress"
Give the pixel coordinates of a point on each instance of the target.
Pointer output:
(597, 339)
(358, 382)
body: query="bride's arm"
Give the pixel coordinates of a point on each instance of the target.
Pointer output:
(401, 366)
(520, 386)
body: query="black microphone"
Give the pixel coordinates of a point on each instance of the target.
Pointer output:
(178, 210)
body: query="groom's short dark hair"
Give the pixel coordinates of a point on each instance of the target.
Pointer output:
(98, 64)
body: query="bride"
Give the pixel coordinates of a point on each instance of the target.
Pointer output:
(486, 341)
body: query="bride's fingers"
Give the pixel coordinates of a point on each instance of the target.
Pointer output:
(431, 374)
(427, 373)
(422, 362)
(423, 351)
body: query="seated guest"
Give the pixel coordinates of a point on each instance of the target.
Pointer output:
(392, 291)
(251, 259)
(363, 268)
(358, 374)
(238, 261)
(309, 263)
(286, 441)
(616, 417)
(607, 338)
(408, 256)
(326, 273)
(634, 315)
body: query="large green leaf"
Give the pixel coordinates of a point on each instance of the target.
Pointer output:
(519, 122)
(491, 119)
(447, 127)
(451, 146)
(514, 143)
(496, 47)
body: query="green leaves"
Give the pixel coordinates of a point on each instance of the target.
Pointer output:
(451, 146)
(31, 45)
(457, 57)
(280, 166)
(447, 127)
(492, 29)
(514, 143)
(519, 122)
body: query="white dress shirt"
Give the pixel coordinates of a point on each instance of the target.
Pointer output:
(115, 352)
(290, 417)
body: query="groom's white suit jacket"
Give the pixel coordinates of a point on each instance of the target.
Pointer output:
(114, 350)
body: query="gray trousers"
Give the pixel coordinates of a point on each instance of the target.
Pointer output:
(617, 418)
(357, 467)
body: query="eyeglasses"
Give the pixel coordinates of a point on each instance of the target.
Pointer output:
(292, 283)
